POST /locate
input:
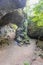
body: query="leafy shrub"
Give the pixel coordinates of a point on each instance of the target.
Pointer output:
(26, 63)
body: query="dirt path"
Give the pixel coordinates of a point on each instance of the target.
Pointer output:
(15, 55)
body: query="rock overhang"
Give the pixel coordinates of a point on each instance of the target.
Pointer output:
(12, 4)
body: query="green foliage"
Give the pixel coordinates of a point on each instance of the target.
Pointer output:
(38, 13)
(26, 9)
(26, 63)
(14, 26)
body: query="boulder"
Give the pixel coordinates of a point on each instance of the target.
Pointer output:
(34, 31)
(8, 32)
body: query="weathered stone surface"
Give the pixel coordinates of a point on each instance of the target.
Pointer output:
(12, 4)
(40, 44)
(35, 32)
(8, 32)
(12, 17)
(1, 15)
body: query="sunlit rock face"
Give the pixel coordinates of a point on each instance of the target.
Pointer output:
(8, 32)
(12, 4)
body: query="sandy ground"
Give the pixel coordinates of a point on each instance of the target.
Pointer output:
(15, 55)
